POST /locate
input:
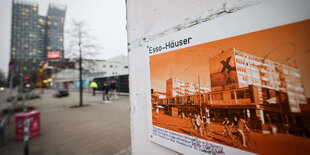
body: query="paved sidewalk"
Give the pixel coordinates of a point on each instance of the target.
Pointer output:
(100, 128)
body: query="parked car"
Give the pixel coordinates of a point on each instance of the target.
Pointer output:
(62, 93)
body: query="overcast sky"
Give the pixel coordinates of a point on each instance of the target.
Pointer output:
(105, 18)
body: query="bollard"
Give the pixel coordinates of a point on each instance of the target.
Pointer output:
(26, 135)
(2, 125)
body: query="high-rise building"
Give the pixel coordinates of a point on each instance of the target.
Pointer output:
(33, 36)
(55, 27)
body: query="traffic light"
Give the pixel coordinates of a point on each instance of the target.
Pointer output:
(26, 79)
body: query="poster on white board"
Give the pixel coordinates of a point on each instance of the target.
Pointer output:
(234, 85)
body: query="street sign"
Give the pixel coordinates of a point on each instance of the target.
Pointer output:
(11, 64)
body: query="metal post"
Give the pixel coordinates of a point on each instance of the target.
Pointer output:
(42, 82)
(10, 112)
(24, 102)
(26, 135)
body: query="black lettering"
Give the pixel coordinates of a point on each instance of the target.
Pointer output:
(150, 50)
(181, 42)
(176, 44)
(185, 41)
(171, 44)
(189, 39)
(168, 45)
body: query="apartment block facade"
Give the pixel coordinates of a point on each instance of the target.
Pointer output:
(176, 87)
(237, 69)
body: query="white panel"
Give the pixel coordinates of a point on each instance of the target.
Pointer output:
(152, 17)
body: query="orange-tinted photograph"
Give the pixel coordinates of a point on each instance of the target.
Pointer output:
(250, 92)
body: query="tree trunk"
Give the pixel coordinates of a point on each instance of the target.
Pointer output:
(80, 69)
(81, 83)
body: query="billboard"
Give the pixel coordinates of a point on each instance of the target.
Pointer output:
(243, 92)
(53, 54)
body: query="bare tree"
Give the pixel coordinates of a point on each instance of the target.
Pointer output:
(81, 46)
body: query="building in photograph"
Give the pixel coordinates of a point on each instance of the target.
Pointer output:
(33, 36)
(176, 87)
(234, 69)
(263, 92)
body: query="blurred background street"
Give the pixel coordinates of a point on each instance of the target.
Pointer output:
(96, 128)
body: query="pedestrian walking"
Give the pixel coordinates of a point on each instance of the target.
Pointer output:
(198, 124)
(113, 90)
(94, 86)
(105, 94)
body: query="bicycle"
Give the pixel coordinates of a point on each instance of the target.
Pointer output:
(207, 136)
(237, 140)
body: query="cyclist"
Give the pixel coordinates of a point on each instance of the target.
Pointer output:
(226, 126)
(239, 125)
(205, 130)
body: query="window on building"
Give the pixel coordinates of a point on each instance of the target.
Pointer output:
(41, 21)
(125, 66)
(247, 93)
(232, 94)
(240, 94)
(218, 96)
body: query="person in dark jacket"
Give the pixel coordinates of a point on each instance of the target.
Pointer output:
(105, 94)
(113, 90)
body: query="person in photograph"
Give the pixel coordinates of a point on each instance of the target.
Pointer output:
(193, 121)
(240, 125)
(205, 123)
(157, 112)
(198, 124)
(226, 123)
